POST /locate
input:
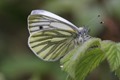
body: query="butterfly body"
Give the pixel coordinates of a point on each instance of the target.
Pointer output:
(52, 37)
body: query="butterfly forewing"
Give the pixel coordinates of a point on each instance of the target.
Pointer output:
(40, 19)
(52, 44)
(44, 22)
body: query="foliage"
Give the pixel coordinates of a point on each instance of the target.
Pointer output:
(85, 58)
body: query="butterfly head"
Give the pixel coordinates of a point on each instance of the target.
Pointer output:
(83, 33)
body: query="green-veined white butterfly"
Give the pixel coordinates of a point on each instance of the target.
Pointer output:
(51, 36)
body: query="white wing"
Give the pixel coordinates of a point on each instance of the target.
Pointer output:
(41, 19)
(51, 37)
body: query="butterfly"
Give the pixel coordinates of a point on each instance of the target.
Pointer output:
(51, 36)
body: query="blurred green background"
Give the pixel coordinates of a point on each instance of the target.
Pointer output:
(17, 62)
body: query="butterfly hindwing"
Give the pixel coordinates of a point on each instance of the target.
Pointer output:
(50, 45)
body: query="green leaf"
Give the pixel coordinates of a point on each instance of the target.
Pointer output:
(83, 59)
(88, 62)
(69, 78)
(112, 53)
(68, 62)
